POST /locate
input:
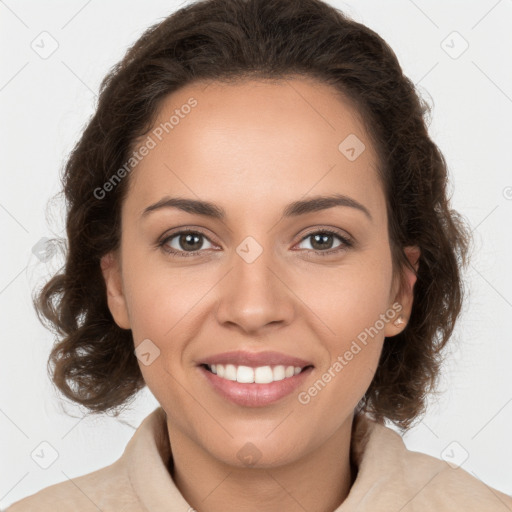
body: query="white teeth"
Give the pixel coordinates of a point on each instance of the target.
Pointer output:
(259, 375)
(263, 375)
(279, 372)
(230, 372)
(245, 374)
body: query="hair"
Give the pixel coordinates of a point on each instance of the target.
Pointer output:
(92, 361)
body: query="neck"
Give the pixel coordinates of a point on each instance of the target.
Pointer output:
(318, 481)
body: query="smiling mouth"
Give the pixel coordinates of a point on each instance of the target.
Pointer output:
(257, 375)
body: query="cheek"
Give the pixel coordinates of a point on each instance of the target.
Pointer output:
(351, 306)
(352, 303)
(160, 303)
(349, 298)
(168, 306)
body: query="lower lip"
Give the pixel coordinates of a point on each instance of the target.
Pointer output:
(255, 395)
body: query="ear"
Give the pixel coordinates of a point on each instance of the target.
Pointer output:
(405, 294)
(111, 269)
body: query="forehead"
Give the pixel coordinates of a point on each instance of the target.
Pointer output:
(256, 142)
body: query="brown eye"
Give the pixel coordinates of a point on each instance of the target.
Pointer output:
(184, 243)
(322, 242)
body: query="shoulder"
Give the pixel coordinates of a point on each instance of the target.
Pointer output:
(99, 490)
(134, 480)
(390, 475)
(435, 483)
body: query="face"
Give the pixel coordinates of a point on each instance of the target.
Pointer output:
(306, 282)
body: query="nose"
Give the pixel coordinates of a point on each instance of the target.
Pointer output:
(254, 296)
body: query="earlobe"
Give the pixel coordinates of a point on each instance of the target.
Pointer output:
(405, 295)
(111, 270)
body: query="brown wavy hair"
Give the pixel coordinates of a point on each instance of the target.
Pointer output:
(93, 362)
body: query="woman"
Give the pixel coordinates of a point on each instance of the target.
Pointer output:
(259, 231)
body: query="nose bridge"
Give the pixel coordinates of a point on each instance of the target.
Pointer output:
(253, 296)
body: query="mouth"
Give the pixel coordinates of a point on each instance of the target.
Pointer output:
(259, 386)
(255, 375)
(254, 379)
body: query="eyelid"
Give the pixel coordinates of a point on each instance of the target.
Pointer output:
(328, 229)
(185, 229)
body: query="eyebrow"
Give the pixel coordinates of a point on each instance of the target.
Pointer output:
(301, 207)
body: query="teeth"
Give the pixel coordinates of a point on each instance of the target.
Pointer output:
(259, 375)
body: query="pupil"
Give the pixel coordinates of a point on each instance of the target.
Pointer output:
(323, 237)
(185, 239)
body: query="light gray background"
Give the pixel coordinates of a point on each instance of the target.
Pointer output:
(45, 103)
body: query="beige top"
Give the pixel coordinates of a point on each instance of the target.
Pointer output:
(389, 478)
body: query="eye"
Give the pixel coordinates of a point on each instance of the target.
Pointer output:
(191, 243)
(322, 242)
(184, 243)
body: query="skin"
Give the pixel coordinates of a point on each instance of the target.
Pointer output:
(253, 148)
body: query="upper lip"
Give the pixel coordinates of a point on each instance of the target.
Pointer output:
(255, 359)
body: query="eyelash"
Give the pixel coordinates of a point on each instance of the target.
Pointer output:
(346, 243)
